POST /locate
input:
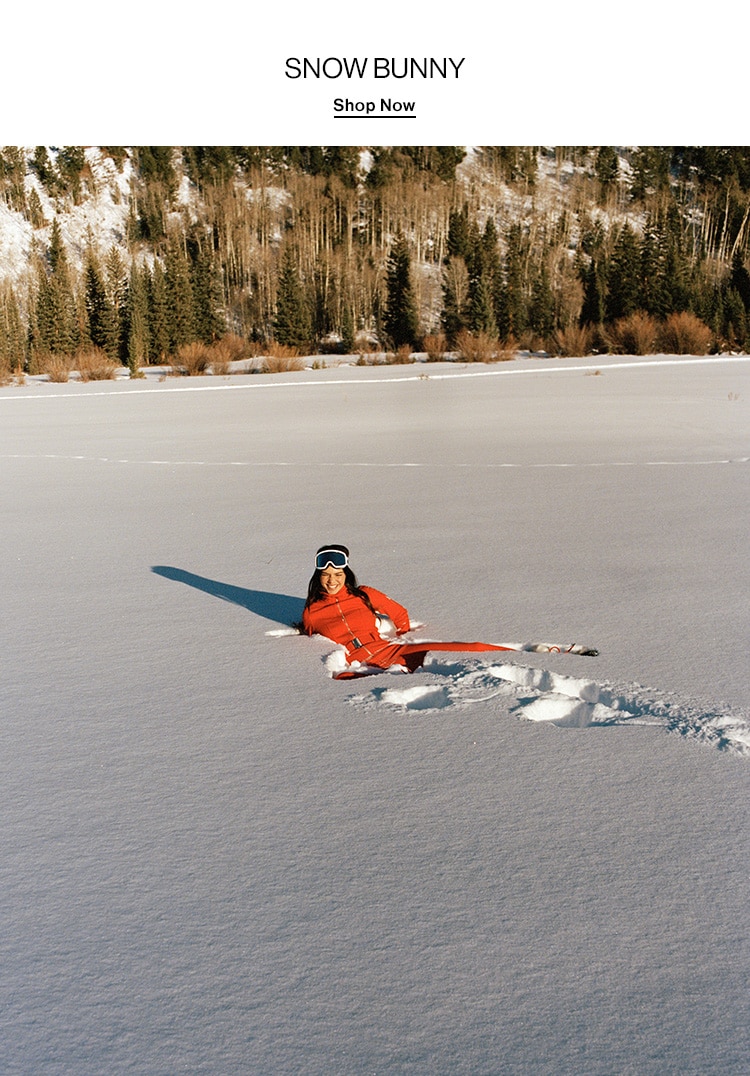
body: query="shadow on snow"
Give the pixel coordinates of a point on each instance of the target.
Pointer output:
(280, 608)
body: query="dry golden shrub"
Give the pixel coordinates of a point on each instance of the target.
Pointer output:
(94, 364)
(507, 349)
(635, 334)
(684, 334)
(57, 367)
(280, 359)
(191, 360)
(228, 349)
(436, 345)
(400, 357)
(571, 341)
(220, 363)
(481, 347)
(279, 364)
(371, 358)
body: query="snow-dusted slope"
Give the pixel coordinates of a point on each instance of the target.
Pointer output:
(106, 192)
(100, 218)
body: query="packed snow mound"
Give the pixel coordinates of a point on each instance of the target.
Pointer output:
(565, 701)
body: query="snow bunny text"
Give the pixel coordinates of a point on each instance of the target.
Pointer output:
(333, 67)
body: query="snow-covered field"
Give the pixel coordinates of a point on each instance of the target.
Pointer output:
(218, 860)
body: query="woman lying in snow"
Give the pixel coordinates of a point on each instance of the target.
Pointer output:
(349, 615)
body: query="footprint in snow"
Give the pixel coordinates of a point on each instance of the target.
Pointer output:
(565, 701)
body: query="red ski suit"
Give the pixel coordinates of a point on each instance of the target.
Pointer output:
(344, 618)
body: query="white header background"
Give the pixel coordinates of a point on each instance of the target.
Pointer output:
(579, 73)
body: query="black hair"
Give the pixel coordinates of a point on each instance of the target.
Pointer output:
(315, 590)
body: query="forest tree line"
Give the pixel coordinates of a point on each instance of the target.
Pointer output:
(324, 248)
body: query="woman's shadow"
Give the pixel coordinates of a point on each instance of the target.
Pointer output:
(281, 608)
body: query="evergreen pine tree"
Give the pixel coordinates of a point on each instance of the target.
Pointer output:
(511, 304)
(292, 324)
(35, 211)
(42, 334)
(98, 309)
(607, 170)
(400, 323)
(594, 293)
(179, 295)
(542, 304)
(323, 291)
(708, 304)
(159, 320)
(736, 325)
(490, 250)
(492, 269)
(342, 162)
(458, 233)
(664, 269)
(207, 298)
(654, 297)
(739, 279)
(81, 317)
(650, 170)
(71, 160)
(55, 329)
(473, 256)
(624, 276)
(347, 330)
(117, 286)
(482, 308)
(42, 165)
(676, 267)
(12, 336)
(454, 315)
(138, 319)
(456, 310)
(482, 268)
(13, 178)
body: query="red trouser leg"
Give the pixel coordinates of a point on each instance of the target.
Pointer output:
(412, 655)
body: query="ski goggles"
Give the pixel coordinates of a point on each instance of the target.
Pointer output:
(334, 558)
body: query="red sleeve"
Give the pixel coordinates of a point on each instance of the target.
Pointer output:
(388, 607)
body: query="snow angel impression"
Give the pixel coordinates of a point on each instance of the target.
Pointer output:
(353, 617)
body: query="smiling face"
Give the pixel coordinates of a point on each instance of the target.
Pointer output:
(332, 579)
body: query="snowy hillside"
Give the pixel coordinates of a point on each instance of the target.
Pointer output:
(102, 215)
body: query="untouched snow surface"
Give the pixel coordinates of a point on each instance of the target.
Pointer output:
(218, 860)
